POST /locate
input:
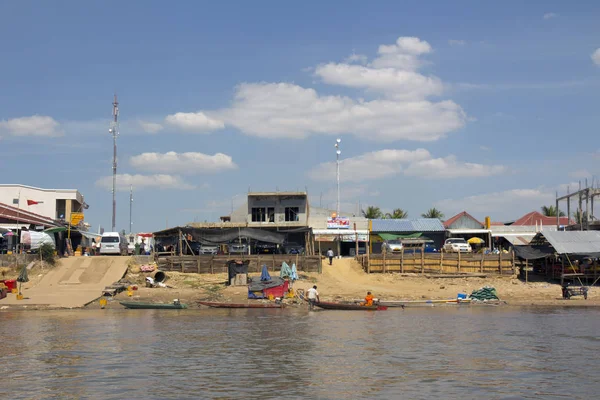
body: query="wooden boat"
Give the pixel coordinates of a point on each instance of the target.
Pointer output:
(348, 306)
(240, 305)
(424, 303)
(153, 306)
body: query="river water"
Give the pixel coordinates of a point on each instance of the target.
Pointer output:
(422, 353)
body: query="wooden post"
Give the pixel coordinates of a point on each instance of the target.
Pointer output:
(198, 264)
(500, 262)
(368, 264)
(402, 260)
(273, 262)
(422, 260)
(458, 265)
(562, 272)
(441, 261)
(180, 244)
(212, 263)
(319, 250)
(513, 262)
(526, 272)
(384, 265)
(481, 264)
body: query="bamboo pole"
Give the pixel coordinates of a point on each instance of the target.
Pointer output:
(500, 262)
(481, 263)
(422, 260)
(212, 265)
(368, 264)
(402, 261)
(526, 272)
(198, 261)
(458, 266)
(384, 264)
(441, 261)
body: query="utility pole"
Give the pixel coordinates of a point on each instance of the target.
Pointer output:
(114, 131)
(130, 207)
(337, 164)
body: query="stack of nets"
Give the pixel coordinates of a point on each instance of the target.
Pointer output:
(485, 293)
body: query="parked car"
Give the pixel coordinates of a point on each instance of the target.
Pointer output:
(209, 249)
(428, 248)
(392, 246)
(113, 243)
(266, 248)
(237, 247)
(293, 248)
(457, 245)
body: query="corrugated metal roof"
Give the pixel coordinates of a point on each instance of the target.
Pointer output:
(571, 242)
(408, 225)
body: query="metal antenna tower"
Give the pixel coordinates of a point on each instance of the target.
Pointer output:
(114, 131)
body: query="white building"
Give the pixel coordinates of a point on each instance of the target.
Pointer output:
(56, 204)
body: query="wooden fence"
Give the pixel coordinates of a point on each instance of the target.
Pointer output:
(208, 264)
(439, 263)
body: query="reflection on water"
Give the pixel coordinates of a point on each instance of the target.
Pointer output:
(450, 353)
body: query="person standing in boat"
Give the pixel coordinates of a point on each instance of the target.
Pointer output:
(313, 297)
(330, 255)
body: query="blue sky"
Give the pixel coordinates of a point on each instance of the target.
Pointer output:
(489, 107)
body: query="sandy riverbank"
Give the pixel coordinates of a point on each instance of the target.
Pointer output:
(343, 281)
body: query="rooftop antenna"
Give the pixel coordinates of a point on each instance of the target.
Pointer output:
(114, 131)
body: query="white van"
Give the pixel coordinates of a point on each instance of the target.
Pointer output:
(113, 243)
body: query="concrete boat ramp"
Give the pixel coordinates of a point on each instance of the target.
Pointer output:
(73, 283)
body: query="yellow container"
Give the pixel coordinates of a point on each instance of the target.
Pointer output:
(103, 302)
(14, 291)
(9, 252)
(19, 297)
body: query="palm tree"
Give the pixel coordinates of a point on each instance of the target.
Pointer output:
(372, 212)
(433, 213)
(398, 213)
(550, 211)
(578, 214)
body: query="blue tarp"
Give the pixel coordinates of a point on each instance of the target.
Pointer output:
(294, 275)
(264, 275)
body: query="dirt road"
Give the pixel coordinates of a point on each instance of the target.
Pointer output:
(73, 283)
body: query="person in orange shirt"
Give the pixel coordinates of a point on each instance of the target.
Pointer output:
(368, 300)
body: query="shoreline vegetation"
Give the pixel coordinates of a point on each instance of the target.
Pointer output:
(344, 281)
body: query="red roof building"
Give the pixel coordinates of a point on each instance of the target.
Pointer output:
(537, 218)
(463, 220)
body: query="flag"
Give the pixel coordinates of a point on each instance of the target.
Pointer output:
(33, 202)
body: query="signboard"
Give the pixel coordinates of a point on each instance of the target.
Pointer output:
(76, 218)
(338, 223)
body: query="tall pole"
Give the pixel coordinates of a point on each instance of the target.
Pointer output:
(337, 164)
(130, 207)
(114, 131)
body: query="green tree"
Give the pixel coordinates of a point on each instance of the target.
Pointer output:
(372, 212)
(550, 211)
(433, 213)
(398, 213)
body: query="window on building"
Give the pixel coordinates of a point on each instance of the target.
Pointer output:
(291, 213)
(259, 214)
(271, 214)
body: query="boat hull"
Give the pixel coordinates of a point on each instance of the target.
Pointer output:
(240, 305)
(348, 306)
(152, 306)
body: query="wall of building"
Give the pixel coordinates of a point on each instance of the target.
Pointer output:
(278, 203)
(318, 219)
(73, 199)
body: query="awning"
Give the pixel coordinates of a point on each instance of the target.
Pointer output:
(90, 235)
(56, 229)
(533, 253)
(335, 235)
(519, 240)
(468, 231)
(392, 236)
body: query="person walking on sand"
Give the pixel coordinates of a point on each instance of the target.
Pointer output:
(330, 255)
(313, 297)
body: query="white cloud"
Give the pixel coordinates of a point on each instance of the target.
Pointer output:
(194, 122)
(402, 112)
(396, 83)
(596, 57)
(484, 148)
(139, 182)
(283, 110)
(386, 163)
(550, 15)
(182, 163)
(500, 205)
(36, 125)
(355, 58)
(449, 167)
(455, 42)
(150, 127)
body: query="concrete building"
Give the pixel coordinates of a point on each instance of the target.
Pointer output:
(55, 204)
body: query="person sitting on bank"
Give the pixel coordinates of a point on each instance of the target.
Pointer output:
(368, 300)
(313, 297)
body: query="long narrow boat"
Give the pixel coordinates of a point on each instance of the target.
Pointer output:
(240, 305)
(153, 306)
(348, 306)
(423, 303)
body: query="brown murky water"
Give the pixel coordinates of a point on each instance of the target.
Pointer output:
(445, 353)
